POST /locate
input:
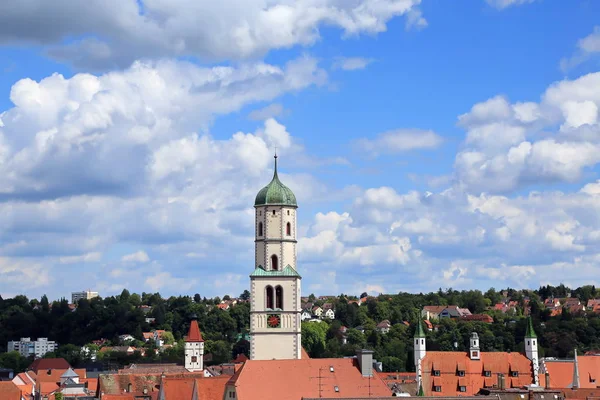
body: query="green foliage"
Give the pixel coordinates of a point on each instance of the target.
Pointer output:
(314, 335)
(15, 361)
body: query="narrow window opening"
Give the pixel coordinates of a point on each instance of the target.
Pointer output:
(422, 341)
(260, 229)
(288, 229)
(273, 212)
(269, 297)
(279, 297)
(288, 212)
(274, 263)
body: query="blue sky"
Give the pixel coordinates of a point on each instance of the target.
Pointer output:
(430, 143)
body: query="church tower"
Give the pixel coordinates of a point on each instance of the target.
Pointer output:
(419, 351)
(194, 348)
(531, 349)
(275, 282)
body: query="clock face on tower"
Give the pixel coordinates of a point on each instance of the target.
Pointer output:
(273, 321)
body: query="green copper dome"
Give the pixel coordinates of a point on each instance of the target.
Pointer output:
(275, 193)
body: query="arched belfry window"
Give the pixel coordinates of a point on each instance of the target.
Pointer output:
(279, 297)
(288, 229)
(274, 263)
(269, 297)
(260, 229)
(273, 212)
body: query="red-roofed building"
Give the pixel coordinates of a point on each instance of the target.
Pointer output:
(561, 372)
(49, 363)
(341, 378)
(478, 318)
(9, 391)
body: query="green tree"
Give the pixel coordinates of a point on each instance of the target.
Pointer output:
(167, 337)
(313, 338)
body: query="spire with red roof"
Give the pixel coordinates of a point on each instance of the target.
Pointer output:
(194, 334)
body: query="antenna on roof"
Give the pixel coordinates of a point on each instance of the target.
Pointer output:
(320, 382)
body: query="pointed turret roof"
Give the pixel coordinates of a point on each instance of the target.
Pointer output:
(530, 333)
(275, 193)
(421, 391)
(69, 374)
(194, 334)
(419, 332)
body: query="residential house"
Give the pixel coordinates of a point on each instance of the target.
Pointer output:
(552, 303)
(593, 305)
(47, 383)
(317, 311)
(223, 306)
(454, 312)
(124, 339)
(145, 309)
(307, 306)
(574, 305)
(343, 334)
(306, 315)
(329, 314)
(325, 298)
(384, 326)
(432, 312)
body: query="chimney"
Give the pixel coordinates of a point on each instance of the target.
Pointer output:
(547, 376)
(365, 362)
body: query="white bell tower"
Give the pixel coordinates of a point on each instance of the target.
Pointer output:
(275, 282)
(419, 350)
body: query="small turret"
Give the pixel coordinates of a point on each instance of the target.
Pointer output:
(474, 351)
(194, 347)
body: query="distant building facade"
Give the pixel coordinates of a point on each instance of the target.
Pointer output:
(27, 347)
(86, 294)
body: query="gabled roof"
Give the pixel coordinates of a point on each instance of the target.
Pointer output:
(561, 372)
(194, 334)
(9, 391)
(287, 271)
(69, 373)
(448, 362)
(49, 363)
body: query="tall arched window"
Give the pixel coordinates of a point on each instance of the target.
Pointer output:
(260, 229)
(288, 229)
(273, 212)
(279, 297)
(269, 297)
(274, 263)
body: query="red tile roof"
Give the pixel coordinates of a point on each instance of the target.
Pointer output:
(53, 375)
(478, 317)
(9, 391)
(346, 376)
(304, 354)
(448, 363)
(240, 358)
(194, 334)
(49, 363)
(561, 372)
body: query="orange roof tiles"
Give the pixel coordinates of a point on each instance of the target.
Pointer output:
(346, 376)
(49, 363)
(194, 334)
(561, 372)
(449, 363)
(9, 391)
(304, 354)
(211, 388)
(53, 375)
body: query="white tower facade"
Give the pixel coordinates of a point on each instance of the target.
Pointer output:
(194, 348)
(419, 350)
(474, 351)
(275, 283)
(531, 350)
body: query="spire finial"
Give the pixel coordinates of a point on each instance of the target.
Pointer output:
(275, 173)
